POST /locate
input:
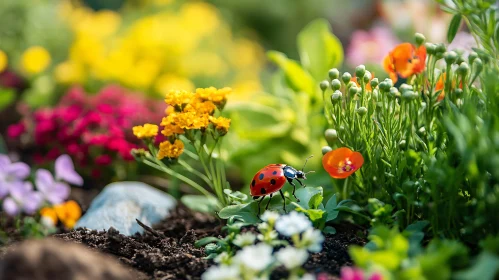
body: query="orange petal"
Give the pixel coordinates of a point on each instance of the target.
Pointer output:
(49, 213)
(402, 58)
(420, 65)
(357, 160)
(73, 210)
(332, 159)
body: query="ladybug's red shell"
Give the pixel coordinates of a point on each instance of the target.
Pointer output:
(268, 180)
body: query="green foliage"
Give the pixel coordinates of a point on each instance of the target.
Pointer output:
(7, 97)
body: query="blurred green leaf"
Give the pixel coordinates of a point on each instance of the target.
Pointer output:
(200, 203)
(297, 78)
(305, 195)
(245, 212)
(319, 49)
(7, 96)
(315, 201)
(329, 230)
(485, 268)
(330, 208)
(454, 27)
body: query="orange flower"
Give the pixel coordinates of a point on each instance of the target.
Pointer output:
(68, 213)
(404, 61)
(342, 162)
(440, 86)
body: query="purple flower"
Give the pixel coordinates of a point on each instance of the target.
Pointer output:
(370, 47)
(65, 171)
(53, 191)
(22, 198)
(11, 174)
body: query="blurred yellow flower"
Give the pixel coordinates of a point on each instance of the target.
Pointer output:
(68, 213)
(168, 82)
(146, 131)
(35, 60)
(3, 61)
(217, 96)
(69, 72)
(169, 150)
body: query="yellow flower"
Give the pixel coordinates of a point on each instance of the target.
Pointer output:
(221, 124)
(146, 131)
(217, 96)
(192, 120)
(35, 59)
(69, 72)
(200, 107)
(168, 82)
(178, 97)
(3, 61)
(169, 150)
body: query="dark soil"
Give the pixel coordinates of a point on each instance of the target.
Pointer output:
(167, 251)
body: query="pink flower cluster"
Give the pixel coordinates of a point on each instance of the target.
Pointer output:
(94, 130)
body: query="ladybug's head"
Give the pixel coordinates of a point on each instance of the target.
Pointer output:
(302, 175)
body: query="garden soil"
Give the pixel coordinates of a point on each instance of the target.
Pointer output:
(167, 251)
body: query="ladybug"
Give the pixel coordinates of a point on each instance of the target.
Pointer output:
(272, 178)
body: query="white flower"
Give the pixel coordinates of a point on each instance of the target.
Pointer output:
(293, 223)
(244, 239)
(222, 272)
(312, 239)
(292, 257)
(308, 276)
(256, 258)
(270, 216)
(224, 258)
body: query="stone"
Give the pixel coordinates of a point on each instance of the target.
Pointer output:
(120, 203)
(51, 258)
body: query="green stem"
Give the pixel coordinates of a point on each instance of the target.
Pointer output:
(195, 172)
(345, 188)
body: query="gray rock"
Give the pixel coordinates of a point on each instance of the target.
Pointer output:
(120, 203)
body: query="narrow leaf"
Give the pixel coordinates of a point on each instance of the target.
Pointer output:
(454, 27)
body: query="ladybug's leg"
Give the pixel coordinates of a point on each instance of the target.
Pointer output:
(283, 201)
(267, 207)
(260, 201)
(290, 181)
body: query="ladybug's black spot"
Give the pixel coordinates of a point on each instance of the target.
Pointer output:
(263, 191)
(272, 182)
(274, 173)
(261, 176)
(253, 183)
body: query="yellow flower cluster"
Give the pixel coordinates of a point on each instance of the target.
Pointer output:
(3, 61)
(146, 131)
(193, 111)
(161, 51)
(35, 60)
(169, 150)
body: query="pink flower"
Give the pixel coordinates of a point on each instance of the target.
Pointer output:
(15, 130)
(103, 160)
(354, 273)
(370, 47)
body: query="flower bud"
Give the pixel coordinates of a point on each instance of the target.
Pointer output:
(331, 135)
(460, 59)
(334, 74)
(361, 111)
(389, 81)
(336, 96)
(346, 77)
(374, 83)
(479, 65)
(440, 48)
(351, 84)
(324, 85)
(450, 57)
(384, 86)
(419, 38)
(463, 69)
(353, 90)
(394, 92)
(335, 84)
(367, 77)
(360, 70)
(408, 95)
(405, 87)
(326, 149)
(458, 92)
(402, 144)
(472, 57)
(431, 48)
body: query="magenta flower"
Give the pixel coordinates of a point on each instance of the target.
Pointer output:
(354, 273)
(370, 47)
(12, 175)
(22, 198)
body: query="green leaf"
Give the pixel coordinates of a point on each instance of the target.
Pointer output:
(329, 230)
(200, 203)
(7, 96)
(319, 49)
(305, 194)
(244, 212)
(297, 78)
(454, 27)
(330, 209)
(203, 241)
(315, 201)
(256, 121)
(486, 267)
